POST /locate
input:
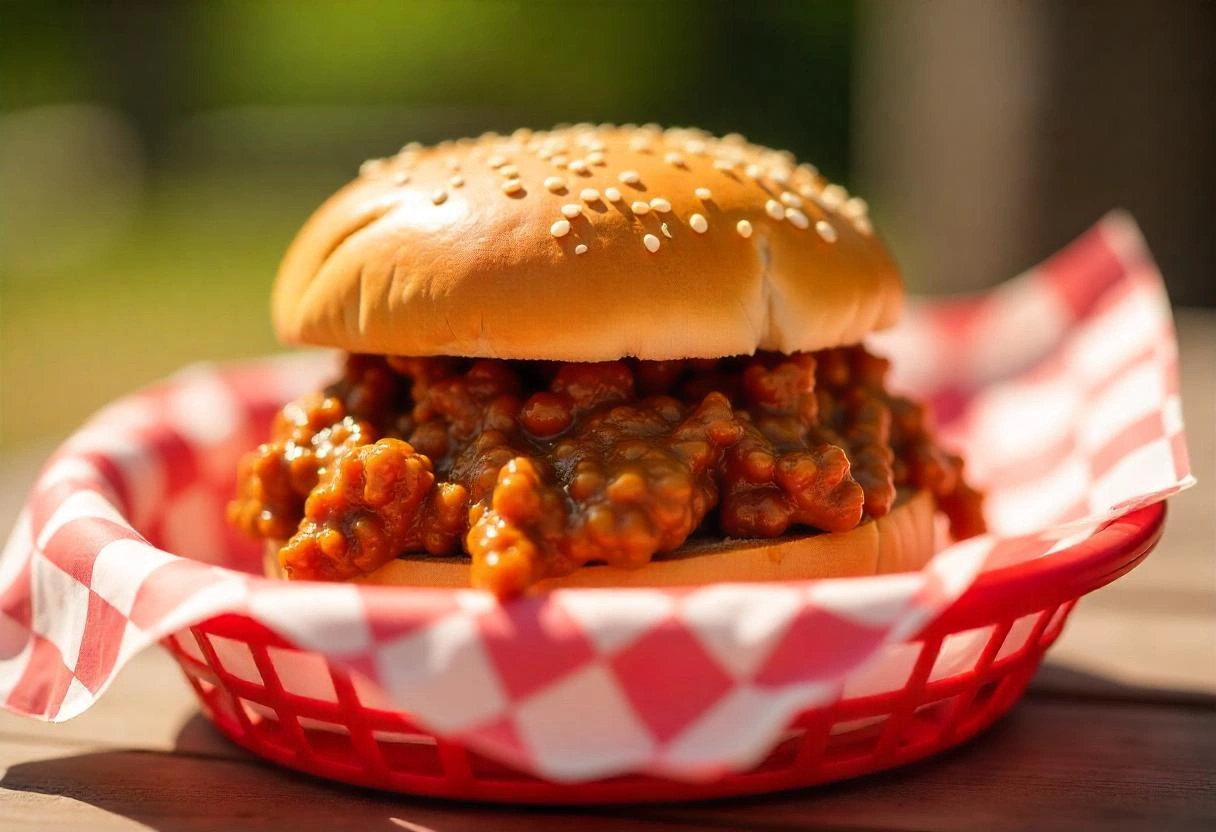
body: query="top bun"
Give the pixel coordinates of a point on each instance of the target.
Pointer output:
(587, 244)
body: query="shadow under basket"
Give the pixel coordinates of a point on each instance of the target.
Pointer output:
(965, 670)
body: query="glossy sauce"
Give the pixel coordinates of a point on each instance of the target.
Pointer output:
(537, 468)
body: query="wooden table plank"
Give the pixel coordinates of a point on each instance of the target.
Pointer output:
(1052, 765)
(69, 786)
(1159, 649)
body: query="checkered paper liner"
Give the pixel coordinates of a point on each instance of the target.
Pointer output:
(1060, 386)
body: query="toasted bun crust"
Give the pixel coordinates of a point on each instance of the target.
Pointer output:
(902, 541)
(463, 249)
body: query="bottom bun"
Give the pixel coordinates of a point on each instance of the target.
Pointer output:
(902, 541)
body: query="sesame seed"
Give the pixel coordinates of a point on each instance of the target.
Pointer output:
(673, 158)
(571, 210)
(596, 157)
(855, 207)
(724, 165)
(797, 218)
(629, 177)
(694, 146)
(807, 191)
(753, 171)
(411, 147)
(666, 231)
(370, 166)
(612, 194)
(401, 177)
(744, 228)
(560, 228)
(826, 231)
(560, 160)
(589, 195)
(509, 171)
(651, 242)
(555, 183)
(807, 169)
(698, 224)
(639, 144)
(581, 248)
(704, 193)
(439, 197)
(512, 186)
(456, 181)
(862, 224)
(773, 209)
(577, 165)
(453, 164)
(640, 207)
(660, 204)
(496, 161)
(780, 175)
(834, 196)
(546, 153)
(733, 138)
(791, 200)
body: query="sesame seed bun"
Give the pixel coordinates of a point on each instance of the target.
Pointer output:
(587, 244)
(901, 541)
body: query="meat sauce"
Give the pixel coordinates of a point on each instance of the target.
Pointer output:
(537, 468)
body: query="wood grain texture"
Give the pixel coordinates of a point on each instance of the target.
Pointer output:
(71, 786)
(1052, 765)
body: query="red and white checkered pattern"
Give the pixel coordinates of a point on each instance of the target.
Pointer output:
(1061, 387)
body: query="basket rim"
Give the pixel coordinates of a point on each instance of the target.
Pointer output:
(1111, 551)
(1048, 584)
(1051, 580)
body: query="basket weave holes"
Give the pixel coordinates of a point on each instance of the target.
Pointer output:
(235, 659)
(303, 675)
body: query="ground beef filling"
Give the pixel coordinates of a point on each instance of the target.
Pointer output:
(537, 468)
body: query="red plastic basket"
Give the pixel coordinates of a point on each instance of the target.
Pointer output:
(262, 693)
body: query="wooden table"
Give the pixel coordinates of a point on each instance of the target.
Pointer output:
(1118, 730)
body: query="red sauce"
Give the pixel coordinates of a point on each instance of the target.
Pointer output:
(537, 468)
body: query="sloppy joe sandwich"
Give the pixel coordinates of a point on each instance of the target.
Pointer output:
(595, 356)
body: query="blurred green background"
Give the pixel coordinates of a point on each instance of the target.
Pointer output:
(156, 158)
